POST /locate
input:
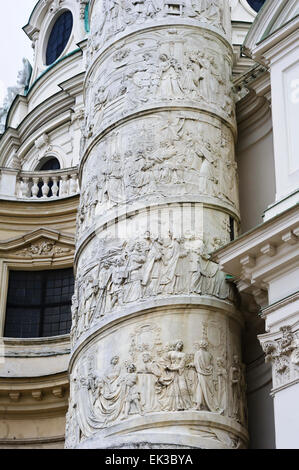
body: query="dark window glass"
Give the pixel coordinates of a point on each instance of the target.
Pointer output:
(59, 37)
(52, 164)
(39, 303)
(256, 4)
(232, 228)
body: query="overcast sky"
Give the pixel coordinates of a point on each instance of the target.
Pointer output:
(14, 43)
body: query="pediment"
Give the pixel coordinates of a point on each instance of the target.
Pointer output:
(272, 18)
(40, 244)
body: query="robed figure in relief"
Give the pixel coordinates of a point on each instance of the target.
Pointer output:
(174, 393)
(111, 394)
(205, 394)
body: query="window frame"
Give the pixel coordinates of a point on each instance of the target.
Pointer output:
(252, 8)
(48, 34)
(12, 260)
(42, 305)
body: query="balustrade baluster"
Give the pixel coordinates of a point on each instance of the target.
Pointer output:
(55, 187)
(64, 186)
(25, 188)
(45, 187)
(74, 184)
(35, 188)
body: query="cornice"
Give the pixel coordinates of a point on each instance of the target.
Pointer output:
(45, 395)
(49, 208)
(52, 112)
(33, 342)
(35, 18)
(278, 43)
(73, 86)
(256, 237)
(261, 255)
(255, 108)
(36, 442)
(252, 112)
(261, 23)
(280, 304)
(53, 69)
(49, 115)
(263, 34)
(17, 216)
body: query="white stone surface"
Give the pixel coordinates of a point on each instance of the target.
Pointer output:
(156, 336)
(287, 418)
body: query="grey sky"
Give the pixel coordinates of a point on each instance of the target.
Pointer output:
(14, 43)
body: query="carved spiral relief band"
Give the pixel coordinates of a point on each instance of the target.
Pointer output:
(150, 375)
(156, 336)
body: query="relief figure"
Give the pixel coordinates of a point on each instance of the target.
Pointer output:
(174, 393)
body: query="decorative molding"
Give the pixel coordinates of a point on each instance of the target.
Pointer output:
(38, 395)
(283, 352)
(41, 243)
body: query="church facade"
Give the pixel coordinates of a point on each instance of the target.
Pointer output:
(149, 228)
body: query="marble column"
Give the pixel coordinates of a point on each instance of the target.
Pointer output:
(156, 354)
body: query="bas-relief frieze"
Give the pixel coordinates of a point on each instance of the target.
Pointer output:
(169, 68)
(44, 248)
(120, 273)
(152, 375)
(158, 133)
(175, 155)
(110, 17)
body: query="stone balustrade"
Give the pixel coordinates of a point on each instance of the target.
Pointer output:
(41, 185)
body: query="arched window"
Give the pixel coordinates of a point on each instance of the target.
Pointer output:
(59, 37)
(256, 4)
(50, 164)
(39, 303)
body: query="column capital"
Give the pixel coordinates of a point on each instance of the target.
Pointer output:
(282, 350)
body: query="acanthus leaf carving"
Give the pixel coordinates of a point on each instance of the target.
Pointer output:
(283, 354)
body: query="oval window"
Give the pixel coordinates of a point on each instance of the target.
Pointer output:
(59, 37)
(256, 4)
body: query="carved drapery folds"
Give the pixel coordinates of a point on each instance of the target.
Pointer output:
(159, 193)
(128, 272)
(119, 16)
(175, 66)
(154, 376)
(177, 155)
